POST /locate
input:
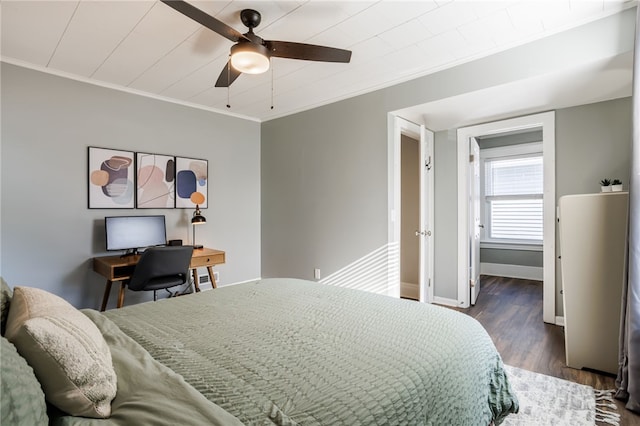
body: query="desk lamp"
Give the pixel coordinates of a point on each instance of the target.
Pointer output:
(197, 219)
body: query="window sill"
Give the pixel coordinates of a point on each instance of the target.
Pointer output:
(524, 246)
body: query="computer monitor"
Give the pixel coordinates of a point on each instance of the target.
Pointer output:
(134, 232)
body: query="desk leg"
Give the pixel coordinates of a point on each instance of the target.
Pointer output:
(105, 296)
(123, 287)
(196, 281)
(212, 277)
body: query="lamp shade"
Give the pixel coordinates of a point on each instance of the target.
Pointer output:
(197, 218)
(250, 58)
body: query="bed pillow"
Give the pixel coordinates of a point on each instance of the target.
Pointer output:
(5, 300)
(70, 357)
(20, 392)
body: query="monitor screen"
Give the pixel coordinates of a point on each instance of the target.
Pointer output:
(134, 232)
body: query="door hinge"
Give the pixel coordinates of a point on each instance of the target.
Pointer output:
(472, 283)
(471, 158)
(427, 163)
(429, 285)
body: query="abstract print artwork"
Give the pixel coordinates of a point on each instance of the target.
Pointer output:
(191, 182)
(155, 181)
(111, 179)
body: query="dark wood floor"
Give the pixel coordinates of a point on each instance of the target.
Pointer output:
(511, 311)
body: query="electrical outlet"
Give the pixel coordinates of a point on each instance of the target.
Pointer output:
(216, 276)
(316, 273)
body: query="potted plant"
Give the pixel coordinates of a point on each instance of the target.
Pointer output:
(605, 185)
(616, 185)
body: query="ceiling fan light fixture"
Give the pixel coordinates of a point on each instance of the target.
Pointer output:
(250, 58)
(251, 54)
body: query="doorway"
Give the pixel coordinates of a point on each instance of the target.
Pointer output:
(417, 235)
(466, 229)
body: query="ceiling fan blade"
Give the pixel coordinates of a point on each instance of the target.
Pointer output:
(205, 19)
(227, 76)
(307, 52)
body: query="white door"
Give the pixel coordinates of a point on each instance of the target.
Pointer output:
(474, 219)
(426, 215)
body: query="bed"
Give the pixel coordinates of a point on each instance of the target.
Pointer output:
(294, 352)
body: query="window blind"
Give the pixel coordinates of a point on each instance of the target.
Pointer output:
(513, 190)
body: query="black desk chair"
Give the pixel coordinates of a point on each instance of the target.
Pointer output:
(161, 267)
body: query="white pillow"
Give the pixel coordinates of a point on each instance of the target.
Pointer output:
(66, 350)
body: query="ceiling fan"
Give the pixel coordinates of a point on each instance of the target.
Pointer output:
(251, 54)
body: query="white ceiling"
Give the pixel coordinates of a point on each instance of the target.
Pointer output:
(146, 47)
(580, 85)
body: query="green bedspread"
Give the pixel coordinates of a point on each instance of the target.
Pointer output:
(293, 352)
(148, 393)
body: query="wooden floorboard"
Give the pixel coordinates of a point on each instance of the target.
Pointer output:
(511, 312)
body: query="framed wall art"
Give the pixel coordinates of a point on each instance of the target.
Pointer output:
(192, 178)
(110, 179)
(155, 181)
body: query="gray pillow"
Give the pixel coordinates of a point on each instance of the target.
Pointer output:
(70, 357)
(22, 397)
(5, 301)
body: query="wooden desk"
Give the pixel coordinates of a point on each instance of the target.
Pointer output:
(119, 268)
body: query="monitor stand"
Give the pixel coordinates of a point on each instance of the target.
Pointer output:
(131, 252)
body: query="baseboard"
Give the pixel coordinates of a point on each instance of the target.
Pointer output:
(409, 290)
(512, 271)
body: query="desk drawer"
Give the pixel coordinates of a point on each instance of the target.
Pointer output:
(210, 260)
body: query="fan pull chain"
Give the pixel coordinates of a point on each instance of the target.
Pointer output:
(272, 85)
(228, 84)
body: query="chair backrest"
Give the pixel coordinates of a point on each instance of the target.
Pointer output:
(161, 267)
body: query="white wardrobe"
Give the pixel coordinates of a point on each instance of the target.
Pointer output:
(593, 232)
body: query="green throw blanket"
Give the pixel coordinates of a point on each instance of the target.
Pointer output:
(293, 352)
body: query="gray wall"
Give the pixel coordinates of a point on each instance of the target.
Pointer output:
(511, 257)
(49, 235)
(324, 179)
(324, 171)
(592, 142)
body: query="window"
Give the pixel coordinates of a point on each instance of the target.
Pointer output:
(512, 193)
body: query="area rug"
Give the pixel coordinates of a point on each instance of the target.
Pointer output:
(546, 400)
